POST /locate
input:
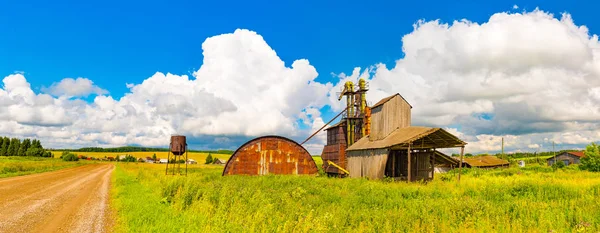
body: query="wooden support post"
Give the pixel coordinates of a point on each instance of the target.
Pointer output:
(462, 150)
(432, 163)
(393, 154)
(409, 165)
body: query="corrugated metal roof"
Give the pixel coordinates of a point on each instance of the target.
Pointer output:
(403, 136)
(336, 125)
(441, 158)
(577, 153)
(485, 161)
(386, 99)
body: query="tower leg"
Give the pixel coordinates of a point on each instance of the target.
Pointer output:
(186, 159)
(168, 155)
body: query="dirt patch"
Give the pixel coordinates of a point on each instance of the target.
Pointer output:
(69, 200)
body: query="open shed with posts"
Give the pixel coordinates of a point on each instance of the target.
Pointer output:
(396, 149)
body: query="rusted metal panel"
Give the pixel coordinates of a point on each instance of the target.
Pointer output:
(270, 155)
(178, 144)
(335, 153)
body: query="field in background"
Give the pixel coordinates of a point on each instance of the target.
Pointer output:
(18, 166)
(535, 198)
(198, 156)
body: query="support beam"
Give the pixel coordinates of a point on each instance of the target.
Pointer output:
(462, 150)
(409, 165)
(432, 163)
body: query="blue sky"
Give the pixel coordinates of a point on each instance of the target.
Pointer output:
(117, 42)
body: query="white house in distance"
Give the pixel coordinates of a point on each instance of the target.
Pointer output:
(191, 161)
(163, 161)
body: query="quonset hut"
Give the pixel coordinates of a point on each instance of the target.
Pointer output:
(396, 149)
(270, 155)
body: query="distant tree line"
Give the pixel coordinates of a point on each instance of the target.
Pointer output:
(136, 149)
(27, 147)
(518, 155)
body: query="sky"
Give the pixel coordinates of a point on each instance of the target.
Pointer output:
(114, 73)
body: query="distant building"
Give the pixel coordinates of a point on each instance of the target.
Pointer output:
(443, 163)
(485, 162)
(191, 161)
(163, 161)
(568, 158)
(219, 161)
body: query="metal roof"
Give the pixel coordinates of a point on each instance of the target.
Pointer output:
(574, 153)
(386, 99)
(485, 161)
(441, 158)
(335, 125)
(420, 137)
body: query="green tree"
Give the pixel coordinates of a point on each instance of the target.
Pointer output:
(24, 146)
(154, 156)
(209, 159)
(5, 144)
(13, 148)
(591, 160)
(36, 144)
(35, 152)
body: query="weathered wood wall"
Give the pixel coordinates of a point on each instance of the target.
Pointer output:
(367, 163)
(564, 156)
(388, 117)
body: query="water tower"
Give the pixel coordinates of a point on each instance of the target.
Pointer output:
(177, 148)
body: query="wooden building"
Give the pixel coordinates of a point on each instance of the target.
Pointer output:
(568, 158)
(485, 162)
(396, 149)
(444, 163)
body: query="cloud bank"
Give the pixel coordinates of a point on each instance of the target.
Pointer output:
(529, 77)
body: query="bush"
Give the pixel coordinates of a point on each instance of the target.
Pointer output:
(129, 158)
(69, 157)
(559, 164)
(591, 160)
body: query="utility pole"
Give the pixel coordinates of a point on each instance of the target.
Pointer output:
(503, 157)
(554, 152)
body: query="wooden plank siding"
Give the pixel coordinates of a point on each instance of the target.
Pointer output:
(565, 156)
(385, 118)
(367, 163)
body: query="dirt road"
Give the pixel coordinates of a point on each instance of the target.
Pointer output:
(68, 200)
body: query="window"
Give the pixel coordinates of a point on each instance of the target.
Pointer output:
(566, 161)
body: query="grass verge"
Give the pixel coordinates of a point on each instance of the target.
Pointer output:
(18, 166)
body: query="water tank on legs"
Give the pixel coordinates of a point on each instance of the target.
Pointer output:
(178, 144)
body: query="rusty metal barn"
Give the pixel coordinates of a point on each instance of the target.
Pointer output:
(396, 149)
(270, 155)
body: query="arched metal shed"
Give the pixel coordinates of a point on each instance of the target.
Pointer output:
(270, 155)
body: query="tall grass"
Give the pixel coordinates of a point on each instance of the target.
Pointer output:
(17, 166)
(513, 200)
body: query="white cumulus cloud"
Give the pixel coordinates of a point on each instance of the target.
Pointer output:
(518, 75)
(242, 90)
(75, 88)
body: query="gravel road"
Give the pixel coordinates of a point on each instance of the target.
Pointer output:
(68, 200)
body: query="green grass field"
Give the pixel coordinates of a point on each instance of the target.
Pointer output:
(533, 199)
(17, 166)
